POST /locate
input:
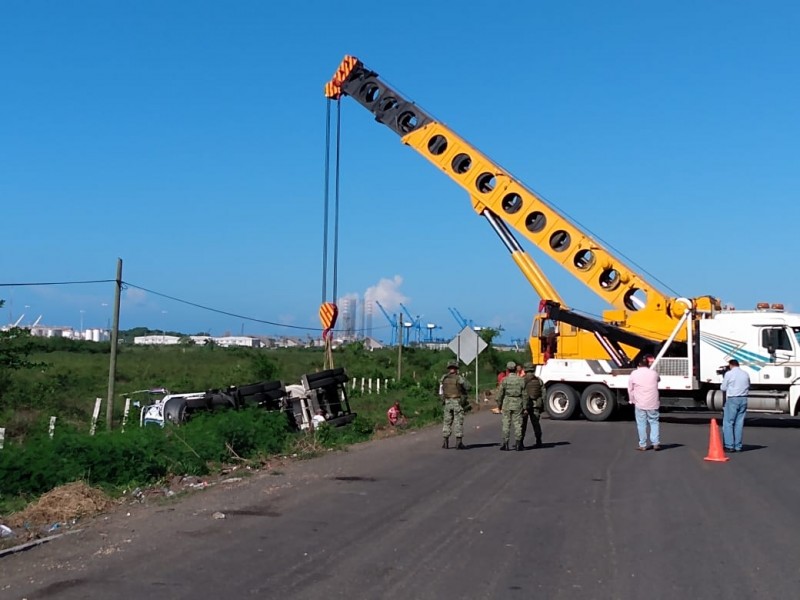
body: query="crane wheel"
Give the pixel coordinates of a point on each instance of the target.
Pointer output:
(561, 401)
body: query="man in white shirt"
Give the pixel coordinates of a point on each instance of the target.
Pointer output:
(736, 385)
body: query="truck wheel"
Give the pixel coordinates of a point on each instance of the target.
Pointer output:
(598, 402)
(561, 401)
(176, 412)
(249, 390)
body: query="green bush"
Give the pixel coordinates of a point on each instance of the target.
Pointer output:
(359, 430)
(140, 455)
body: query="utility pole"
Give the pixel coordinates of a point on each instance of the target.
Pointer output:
(112, 364)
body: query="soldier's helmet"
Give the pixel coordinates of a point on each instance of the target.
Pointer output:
(529, 366)
(453, 364)
(511, 365)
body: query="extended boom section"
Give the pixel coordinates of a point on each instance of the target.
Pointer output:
(640, 307)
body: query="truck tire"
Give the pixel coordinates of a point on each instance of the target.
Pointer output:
(221, 401)
(249, 390)
(598, 402)
(175, 411)
(561, 401)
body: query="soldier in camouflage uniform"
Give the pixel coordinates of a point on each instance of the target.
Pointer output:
(509, 399)
(453, 389)
(534, 403)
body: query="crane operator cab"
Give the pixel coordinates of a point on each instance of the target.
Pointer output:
(544, 338)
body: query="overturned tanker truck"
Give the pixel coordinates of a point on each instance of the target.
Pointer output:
(325, 390)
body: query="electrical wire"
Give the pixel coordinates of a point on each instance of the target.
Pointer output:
(219, 311)
(56, 283)
(127, 284)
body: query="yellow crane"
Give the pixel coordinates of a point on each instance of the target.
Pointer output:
(642, 315)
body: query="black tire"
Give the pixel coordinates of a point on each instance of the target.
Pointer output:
(222, 401)
(561, 401)
(598, 402)
(249, 390)
(175, 411)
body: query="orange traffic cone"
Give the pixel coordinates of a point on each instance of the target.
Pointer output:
(715, 451)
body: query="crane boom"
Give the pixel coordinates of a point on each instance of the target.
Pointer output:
(459, 319)
(640, 306)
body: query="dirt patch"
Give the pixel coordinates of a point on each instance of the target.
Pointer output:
(382, 433)
(64, 504)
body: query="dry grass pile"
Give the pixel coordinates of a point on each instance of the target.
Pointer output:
(63, 504)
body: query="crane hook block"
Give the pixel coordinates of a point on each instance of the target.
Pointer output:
(328, 312)
(333, 89)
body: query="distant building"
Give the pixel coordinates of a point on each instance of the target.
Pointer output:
(237, 340)
(372, 344)
(157, 340)
(58, 331)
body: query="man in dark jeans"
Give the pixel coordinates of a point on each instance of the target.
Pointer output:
(736, 385)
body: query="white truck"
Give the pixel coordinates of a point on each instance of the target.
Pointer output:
(765, 341)
(324, 390)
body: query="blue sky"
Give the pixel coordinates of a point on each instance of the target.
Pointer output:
(187, 138)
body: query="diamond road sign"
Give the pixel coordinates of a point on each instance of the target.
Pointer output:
(467, 345)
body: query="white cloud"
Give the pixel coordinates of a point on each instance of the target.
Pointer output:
(387, 292)
(135, 296)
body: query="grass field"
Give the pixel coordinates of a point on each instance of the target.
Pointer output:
(69, 375)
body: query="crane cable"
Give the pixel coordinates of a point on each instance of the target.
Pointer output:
(328, 310)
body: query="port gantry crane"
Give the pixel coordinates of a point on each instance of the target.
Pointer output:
(416, 325)
(642, 315)
(392, 323)
(460, 319)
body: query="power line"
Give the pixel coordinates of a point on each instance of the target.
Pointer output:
(56, 283)
(180, 300)
(219, 311)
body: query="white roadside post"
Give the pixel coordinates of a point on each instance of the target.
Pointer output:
(2, 437)
(125, 413)
(95, 414)
(369, 386)
(52, 429)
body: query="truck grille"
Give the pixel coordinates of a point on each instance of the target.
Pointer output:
(675, 367)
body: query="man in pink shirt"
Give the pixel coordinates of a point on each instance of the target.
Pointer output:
(643, 394)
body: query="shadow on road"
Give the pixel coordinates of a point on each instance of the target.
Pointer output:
(663, 447)
(474, 446)
(546, 445)
(751, 447)
(750, 421)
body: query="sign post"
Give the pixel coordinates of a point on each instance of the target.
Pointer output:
(467, 345)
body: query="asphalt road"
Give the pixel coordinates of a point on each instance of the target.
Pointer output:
(585, 517)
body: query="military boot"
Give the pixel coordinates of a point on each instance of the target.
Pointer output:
(519, 447)
(538, 443)
(460, 445)
(446, 443)
(504, 447)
